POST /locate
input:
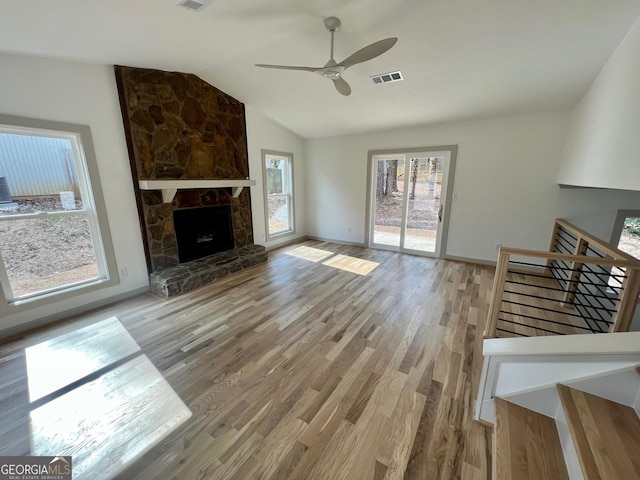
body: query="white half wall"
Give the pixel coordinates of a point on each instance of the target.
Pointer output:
(264, 134)
(603, 142)
(505, 187)
(84, 94)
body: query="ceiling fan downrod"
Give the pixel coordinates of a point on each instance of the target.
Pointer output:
(333, 25)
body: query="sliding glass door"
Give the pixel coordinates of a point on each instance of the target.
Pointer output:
(408, 199)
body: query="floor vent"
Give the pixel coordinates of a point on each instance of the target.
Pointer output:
(388, 77)
(196, 5)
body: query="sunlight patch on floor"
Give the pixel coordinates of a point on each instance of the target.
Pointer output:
(352, 264)
(100, 400)
(58, 362)
(342, 262)
(309, 253)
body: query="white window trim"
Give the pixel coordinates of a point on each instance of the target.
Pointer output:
(92, 191)
(292, 230)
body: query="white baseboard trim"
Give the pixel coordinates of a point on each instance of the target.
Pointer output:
(286, 243)
(489, 263)
(338, 242)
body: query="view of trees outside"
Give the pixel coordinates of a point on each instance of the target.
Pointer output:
(278, 198)
(629, 243)
(630, 237)
(424, 189)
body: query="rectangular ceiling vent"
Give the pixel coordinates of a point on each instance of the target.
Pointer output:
(388, 77)
(195, 5)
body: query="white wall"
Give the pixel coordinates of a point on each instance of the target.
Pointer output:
(603, 144)
(264, 133)
(505, 182)
(84, 94)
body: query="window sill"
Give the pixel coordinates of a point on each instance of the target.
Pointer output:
(20, 305)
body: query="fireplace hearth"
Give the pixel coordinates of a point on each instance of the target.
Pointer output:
(201, 232)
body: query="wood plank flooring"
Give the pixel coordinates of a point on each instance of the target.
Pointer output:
(528, 443)
(327, 362)
(606, 434)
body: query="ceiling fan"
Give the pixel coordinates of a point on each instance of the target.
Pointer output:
(333, 70)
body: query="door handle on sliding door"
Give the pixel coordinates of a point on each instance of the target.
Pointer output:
(440, 213)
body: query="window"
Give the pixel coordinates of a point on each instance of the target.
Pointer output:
(627, 231)
(626, 236)
(51, 239)
(278, 188)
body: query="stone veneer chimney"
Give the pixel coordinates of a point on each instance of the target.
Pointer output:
(178, 126)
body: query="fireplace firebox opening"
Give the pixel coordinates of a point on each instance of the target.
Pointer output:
(201, 232)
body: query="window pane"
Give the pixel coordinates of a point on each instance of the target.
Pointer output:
(278, 209)
(423, 209)
(390, 177)
(37, 174)
(41, 254)
(629, 243)
(630, 237)
(275, 175)
(278, 193)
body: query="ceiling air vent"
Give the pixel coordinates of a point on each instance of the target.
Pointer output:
(388, 77)
(196, 5)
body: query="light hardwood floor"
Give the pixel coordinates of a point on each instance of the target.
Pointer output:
(327, 362)
(528, 443)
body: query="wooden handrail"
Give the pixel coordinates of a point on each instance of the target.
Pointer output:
(602, 245)
(631, 263)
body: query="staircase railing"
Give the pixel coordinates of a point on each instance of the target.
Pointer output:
(582, 285)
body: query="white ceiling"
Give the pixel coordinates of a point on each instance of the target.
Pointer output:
(462, 59)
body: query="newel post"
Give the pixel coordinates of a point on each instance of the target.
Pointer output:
(496, 295)
(552, 247)
(574, 276)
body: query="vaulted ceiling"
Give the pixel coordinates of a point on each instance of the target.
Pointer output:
(462, 59)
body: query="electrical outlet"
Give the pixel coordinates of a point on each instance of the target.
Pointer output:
(124, 272)
(498, 247)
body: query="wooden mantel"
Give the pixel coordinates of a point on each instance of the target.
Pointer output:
(170, 187)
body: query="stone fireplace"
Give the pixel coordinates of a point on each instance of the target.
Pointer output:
(180, 128)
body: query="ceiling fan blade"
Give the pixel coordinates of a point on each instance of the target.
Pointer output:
(369, 52)
(287, 67)
(342, 86)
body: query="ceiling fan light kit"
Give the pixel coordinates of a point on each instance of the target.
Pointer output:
(333, 70)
